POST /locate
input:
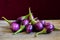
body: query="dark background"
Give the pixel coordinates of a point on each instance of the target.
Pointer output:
(44, 9)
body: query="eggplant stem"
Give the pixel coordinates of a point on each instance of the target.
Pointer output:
(21, 28)
(41, 32)
(35, 18)
(25, 17)
(6, 20)
(56, 29)
(31, 17)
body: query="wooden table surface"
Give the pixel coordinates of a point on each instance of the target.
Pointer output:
(6, 34)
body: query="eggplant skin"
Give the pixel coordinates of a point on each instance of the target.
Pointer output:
(49, 27)
(38, 26)
(25, 22)
(14, 26)
(29, 28)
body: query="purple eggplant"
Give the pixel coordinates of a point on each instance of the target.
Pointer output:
(38, 25)
(49, 27)
(43, 21)
(25, 22)
(21, 18)
(13, 25)
(29, 28)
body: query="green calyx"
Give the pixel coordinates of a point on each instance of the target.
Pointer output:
(20, 30)
(41, 32)
(31, 17)
(25, 17)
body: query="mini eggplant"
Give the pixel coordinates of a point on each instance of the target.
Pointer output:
(13, 25)
(21, 18)
(43, 21)
(49, 27)
(29, 28)
(38, 25)
(25, 22)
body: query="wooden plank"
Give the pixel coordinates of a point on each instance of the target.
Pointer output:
(6, 34)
